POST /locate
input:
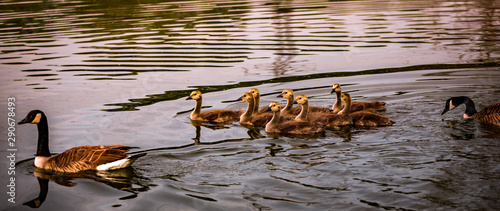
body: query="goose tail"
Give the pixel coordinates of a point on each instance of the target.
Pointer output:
(118, 164)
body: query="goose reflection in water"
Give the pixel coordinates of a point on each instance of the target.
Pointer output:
(122, 179)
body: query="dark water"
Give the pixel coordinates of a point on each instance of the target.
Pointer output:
(109, 72)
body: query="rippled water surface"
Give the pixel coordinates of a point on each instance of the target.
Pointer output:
(109, 72)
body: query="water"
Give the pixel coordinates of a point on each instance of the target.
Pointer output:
(111, 72)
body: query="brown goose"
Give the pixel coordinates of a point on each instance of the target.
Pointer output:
(108, 157)
(355, 105)
(330, 120)
(256, 95)
(258, 120)
(290, 127)
(289, 110)
(216, 115)
(363, 118)
(490, 114)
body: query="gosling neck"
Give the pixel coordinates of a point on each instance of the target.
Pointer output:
(42, 148)
(303, 113)
(197, 109)
(246, 117)
(272, 125)
(347, 107)
(289, 104)
(337, 106)
(256, 105)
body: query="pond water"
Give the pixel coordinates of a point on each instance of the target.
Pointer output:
(118, 72)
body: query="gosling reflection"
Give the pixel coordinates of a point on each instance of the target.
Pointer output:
(253, 133)
(125, 179)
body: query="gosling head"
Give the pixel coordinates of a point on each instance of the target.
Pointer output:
(336, 88)
(287, 93)
(247, 97)
(274, 107)
(301, 99)
(346, 97)
(255, 92)
(195, 95)
(33, 117)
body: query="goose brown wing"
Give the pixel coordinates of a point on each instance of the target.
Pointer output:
(312, 109)
(86, 157)
(216, 115)
(490, 114)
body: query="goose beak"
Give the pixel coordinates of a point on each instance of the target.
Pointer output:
(280, 96)
(444, 111)
(24, 121)
(189, 98)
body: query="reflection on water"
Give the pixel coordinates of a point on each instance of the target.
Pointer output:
(116, 72)
(123, 179)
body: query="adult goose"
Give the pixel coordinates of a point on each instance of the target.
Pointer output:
(490, 114)
(355, 105)
(215, 116)
(82, 158)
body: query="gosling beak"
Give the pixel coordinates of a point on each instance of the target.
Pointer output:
(295, 102)
(240, 99)
(189, 98)
(280, 96)
(24, 121)
(333, 91)
(268, 109)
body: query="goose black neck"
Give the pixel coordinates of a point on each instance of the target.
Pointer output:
(470, 107)
(43, 138)
(44, 189)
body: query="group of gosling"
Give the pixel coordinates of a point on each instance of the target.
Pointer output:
(299, 120)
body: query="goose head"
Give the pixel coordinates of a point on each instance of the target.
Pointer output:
(336, 88)
(255, 92)
(452, 103)
(247, 97)
(195, 95)
(346, 97)
(33, 117)
(274, 107)
(301, 99)
(287, 93)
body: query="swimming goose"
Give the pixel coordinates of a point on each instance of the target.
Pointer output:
(289, 110)
(290, 127)
(256, 94)
(216, 115)
(82, 158)
(363, 118)
(490, 114)
(259, 120)
(330, 120)
(355, 105)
